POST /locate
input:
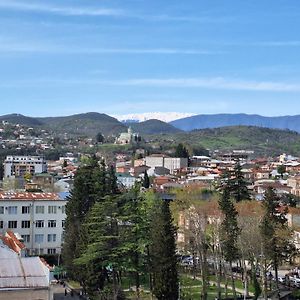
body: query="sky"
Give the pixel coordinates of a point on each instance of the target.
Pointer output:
(60, 57)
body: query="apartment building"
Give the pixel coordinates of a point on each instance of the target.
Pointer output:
(17, 166)
(38, 217)
(171, 163)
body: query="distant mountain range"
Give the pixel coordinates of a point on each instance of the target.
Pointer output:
(221, 120)
(162, 116)
(91, 123)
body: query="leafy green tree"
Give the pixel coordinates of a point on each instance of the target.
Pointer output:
(181, 151)
(277, 245)
(163, 253)
(281, 169)
(146, 180)
(99, 137)
(229, 232)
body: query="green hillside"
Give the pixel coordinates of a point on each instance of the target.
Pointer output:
(84, 124)
(263, 141)
(20, 119)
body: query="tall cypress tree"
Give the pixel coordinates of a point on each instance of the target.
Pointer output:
(229, 232)
(163, 253)
(146, 180)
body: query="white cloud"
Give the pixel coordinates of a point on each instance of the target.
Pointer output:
(8, 46)
(59, 10)
(217, 83)
(212, 83)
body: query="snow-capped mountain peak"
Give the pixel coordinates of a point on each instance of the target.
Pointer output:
(163, 116)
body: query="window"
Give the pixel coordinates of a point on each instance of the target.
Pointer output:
(25, 224)
(39, 223)
(52, 209)
(1, 210)
(39, 238)
(63, 223)
(51, 251)
(1, 224)
(63, 209)
(12, 224)
(38, 251)
(39, 209)
(26, 238)
(52, 237)
(25, 209)
(52, 223)
(12, 210)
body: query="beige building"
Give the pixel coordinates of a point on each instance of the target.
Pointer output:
(171, 163)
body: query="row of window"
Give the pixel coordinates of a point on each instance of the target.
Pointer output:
(39, 238)
(40, 251)
(39, 209)
(27, 224)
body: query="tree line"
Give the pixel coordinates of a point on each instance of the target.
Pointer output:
(230, 232)
(111, 237)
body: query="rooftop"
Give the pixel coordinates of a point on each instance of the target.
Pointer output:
(30, 196)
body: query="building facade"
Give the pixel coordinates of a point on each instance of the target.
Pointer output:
(171, 163)
(18, 166)
(38, 217)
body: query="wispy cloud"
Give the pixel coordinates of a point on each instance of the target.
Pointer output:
(217, 83)
(7, 46)
(59, 10)
(39, 7)
(212, 83)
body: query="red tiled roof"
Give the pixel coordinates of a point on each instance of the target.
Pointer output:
(11, 241)
(29, 196)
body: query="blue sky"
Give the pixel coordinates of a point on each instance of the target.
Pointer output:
(59, 57)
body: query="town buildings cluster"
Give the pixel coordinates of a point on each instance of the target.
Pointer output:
(34, 191)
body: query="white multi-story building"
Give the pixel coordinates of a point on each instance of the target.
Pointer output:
(38, 217)
(171, 163)
(17, 166)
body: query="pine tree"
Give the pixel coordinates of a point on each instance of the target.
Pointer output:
(100, 251)
(134, 233)
(181, 151)
(79, 203)
(238, 185)
(163, 253)
(146, 180)
(229, 232)
(112, 185)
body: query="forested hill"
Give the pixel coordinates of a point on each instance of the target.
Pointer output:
(264, 141)
(221, 120)
(88, 124)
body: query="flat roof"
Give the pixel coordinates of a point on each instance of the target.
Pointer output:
(31, 196)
